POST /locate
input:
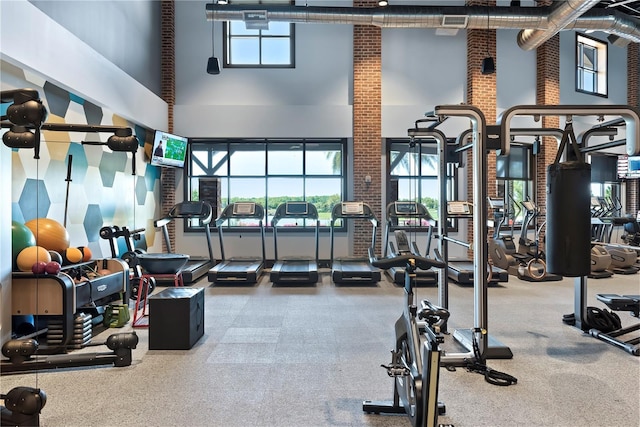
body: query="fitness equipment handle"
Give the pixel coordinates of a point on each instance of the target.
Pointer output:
(403, 260)
(428, 309)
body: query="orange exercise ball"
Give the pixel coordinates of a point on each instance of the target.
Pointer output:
(71, 256)
(49, 234)
(29, 256)
(86, 253)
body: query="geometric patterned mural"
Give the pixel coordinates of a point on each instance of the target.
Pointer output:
(102, 191)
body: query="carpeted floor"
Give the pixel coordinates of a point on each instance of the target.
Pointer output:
(309, 356)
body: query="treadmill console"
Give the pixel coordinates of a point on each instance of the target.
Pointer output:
(529, 206)
(495, 203)
(244, 208)
(352, 208)
(189, 209)
(405, 208)
(297, 208)
(459, 208)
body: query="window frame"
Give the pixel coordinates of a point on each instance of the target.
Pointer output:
(504, 184)
(266, 145)
(429, 147)
(226, 48)
(600, 75)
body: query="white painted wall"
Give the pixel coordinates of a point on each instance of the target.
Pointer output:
(5, 245)
(49, 50)
(312, 100)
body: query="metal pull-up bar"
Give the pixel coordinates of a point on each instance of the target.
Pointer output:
(629, 114)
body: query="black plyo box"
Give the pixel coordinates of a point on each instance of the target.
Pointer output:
(176, 318)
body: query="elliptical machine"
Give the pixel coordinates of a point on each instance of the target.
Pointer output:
(527, 263)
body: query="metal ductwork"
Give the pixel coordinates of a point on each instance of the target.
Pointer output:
(560, 16)
(540, 23)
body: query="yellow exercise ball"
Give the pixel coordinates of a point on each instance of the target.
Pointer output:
(49, 234)
(29, 256)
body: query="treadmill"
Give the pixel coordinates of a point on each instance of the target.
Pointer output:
(199, 211)
(415, 213)
(461, 270)
(352, 270)
(245, 270)
(294, 270)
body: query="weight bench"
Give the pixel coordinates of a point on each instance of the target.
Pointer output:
(615, 302)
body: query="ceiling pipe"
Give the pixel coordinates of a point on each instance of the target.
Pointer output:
(561, 15)
(453, 17)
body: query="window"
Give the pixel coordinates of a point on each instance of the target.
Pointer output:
(258, 43)
(515, 181)
(413, 174)
(268, 172)
(591, 66)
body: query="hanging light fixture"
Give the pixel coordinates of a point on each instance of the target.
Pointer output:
(383, 3)
(488, 64)
(213, 65)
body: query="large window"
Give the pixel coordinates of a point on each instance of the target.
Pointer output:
(268, 172)
(259, 44)
(515, 181)
(413, 174)
(591, 65)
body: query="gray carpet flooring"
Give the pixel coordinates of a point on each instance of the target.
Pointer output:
(309, 356)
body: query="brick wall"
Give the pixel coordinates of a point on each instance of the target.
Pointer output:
(633, 98)
(481, 93)
(168, 94)
(367, 125)
(547, 93)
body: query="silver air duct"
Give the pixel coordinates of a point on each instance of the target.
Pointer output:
(560, 16)
(541, 23)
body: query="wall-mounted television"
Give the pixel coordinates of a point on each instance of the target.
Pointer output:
(168, 150)
(629, 167)
(634, 166)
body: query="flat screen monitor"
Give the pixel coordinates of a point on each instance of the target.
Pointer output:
(169, 150)
(405, 208)
(297, 208)
(352, 208)
(634, 167)
(244, 208)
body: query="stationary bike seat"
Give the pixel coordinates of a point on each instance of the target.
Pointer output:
(430, 310)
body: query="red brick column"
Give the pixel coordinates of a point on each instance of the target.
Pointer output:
(547, 93)
(168, 94)
(367, 125)
(481, 93)
(633, 94)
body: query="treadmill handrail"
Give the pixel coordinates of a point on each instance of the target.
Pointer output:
(229, 213)
(205, 216)
(422, 213)
(281, 213)
(336, 213)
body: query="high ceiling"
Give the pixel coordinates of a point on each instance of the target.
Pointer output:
(630, 7)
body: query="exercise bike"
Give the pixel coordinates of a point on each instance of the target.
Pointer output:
(415, 361)
(130, 256)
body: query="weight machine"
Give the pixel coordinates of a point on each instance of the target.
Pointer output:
(476, 340)
(574, 253)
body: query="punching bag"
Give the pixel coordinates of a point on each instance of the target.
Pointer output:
(569, 216)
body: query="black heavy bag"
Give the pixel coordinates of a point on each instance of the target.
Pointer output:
(569, 219)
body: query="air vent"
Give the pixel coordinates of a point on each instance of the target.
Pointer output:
(454, 21)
